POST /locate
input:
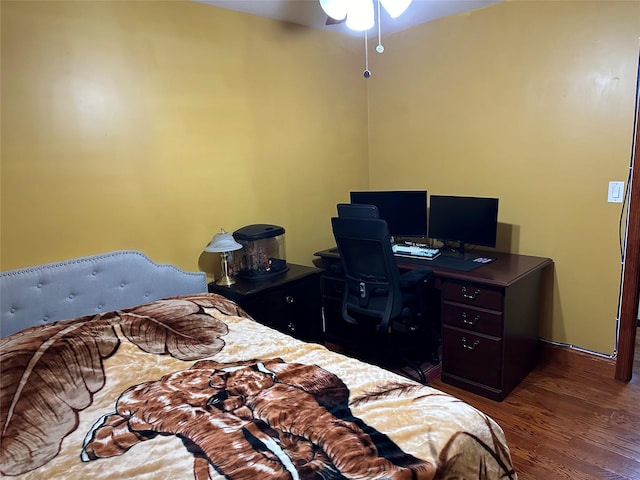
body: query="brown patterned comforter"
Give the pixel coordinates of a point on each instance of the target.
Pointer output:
(190, 387)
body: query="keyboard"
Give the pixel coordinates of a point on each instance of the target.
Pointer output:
(415, 251)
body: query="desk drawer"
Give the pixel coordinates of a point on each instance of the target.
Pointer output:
(473, 319)
(473, 294)
(473, 357)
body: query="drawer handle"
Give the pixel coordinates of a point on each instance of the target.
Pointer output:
(472, 322)
(470, 296)
(288, 299)
(470, 347)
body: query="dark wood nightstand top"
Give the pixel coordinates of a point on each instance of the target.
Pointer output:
(247, 287)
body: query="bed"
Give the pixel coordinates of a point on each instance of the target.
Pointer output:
(113, 366)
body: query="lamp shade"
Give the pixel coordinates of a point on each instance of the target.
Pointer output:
(361, 15)
(395, 8)
(222, 242)
(336, 9)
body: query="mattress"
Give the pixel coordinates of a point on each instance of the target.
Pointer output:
(192, 387)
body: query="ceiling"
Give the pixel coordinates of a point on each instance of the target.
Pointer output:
(309, 12)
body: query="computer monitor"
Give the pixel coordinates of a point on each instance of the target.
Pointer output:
(405, 211)
(467, 220)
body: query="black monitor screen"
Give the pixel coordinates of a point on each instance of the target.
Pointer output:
(470, 220)
(405, 211)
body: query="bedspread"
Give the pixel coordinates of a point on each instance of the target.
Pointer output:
(191, 387)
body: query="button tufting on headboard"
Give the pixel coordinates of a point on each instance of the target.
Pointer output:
(87, 286)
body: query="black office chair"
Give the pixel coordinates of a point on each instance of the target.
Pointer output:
(389, 308)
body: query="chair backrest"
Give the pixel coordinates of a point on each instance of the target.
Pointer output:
(358, 210)
(372, 295)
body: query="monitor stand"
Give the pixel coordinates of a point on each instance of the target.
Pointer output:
(474, 256)
(455, 252)
(460, 252)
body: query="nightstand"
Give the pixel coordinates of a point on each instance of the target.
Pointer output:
(290, 302)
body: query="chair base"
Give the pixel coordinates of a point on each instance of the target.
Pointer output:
(392, 352)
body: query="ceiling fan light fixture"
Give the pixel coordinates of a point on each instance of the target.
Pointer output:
(395, 8)
(336, 9)
(360, 16)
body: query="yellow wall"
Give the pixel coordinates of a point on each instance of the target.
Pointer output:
(531, 102)
(151, 125)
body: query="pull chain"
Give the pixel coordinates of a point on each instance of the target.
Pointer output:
(380, 47)
(367, 72)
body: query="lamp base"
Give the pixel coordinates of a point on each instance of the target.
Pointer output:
(226, 281)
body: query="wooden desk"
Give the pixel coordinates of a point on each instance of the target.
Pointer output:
(489, 318)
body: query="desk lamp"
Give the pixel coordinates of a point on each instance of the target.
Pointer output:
(224, 243)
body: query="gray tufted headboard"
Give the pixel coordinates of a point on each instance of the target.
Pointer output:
(88, 286)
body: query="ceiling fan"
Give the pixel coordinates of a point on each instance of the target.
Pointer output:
(359, 15)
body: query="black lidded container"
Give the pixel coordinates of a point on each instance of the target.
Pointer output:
(263, 251)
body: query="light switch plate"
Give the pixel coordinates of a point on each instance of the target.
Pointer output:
(616, 192)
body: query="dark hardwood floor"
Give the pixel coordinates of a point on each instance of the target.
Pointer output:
(569, 419)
